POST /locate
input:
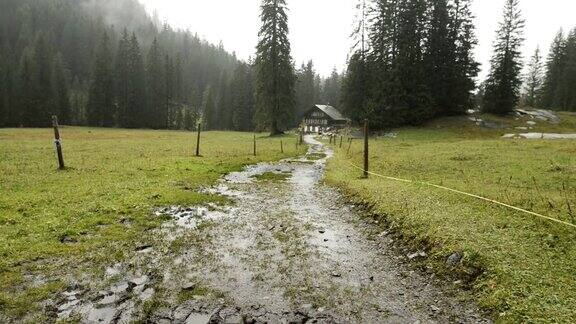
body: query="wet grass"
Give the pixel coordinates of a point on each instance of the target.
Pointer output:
(93, 214)
(272, 176)
(315, 156)
(521, 267)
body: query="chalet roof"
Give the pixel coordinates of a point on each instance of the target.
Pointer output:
(332, 112)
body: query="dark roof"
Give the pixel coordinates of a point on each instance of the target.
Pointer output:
(332, 112)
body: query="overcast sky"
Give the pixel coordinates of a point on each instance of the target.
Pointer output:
(320, 29)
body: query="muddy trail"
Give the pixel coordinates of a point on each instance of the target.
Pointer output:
(287, 249)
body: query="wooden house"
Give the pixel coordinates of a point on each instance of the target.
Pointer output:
(323, 118)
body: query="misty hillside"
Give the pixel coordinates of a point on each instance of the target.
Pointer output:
(49, 49)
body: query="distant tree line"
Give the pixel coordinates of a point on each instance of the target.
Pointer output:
(103, 63)
(107, 63)
(552, 84)
(413, 61)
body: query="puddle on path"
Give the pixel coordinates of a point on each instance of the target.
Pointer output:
(285, 251)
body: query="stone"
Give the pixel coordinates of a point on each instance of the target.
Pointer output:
(417, 255)
(454, 259)
(189, 286)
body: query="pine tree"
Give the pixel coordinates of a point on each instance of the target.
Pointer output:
(122, 77)
(100, 107)
(275, 79)
(554, 67)
(168, 97)
(135, 110)
(224, 103)
(60, 92)
(567, 85)
(8, 85)
(332, 88)
(305, 89)
(411, 99)
(355, 86)
(440, 58)
(465, 68)
(3, 91)
(157, 114)
(504, 81)
(27, 90)
(242, 89)
(35, 96)
(209, 113)
(533, 82)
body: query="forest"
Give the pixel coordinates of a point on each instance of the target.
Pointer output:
(108, 63)
(111, 64)
(414, 61)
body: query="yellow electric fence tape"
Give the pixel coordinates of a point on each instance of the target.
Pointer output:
(469, 195)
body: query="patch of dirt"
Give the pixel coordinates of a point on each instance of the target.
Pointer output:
(285, 251)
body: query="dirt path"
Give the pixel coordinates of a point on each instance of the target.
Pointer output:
(287, 250)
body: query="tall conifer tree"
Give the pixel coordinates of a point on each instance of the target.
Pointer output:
(355, 87)
(101, 96)
(209, 113)
(242, 89)
(504, 81)
(136, 108)
(156, 111)
(466, 68)
(275, 77)
(305, 89)
(440, 60)
(122, 77)
(567, 85)
(60, 91)
(533, 82)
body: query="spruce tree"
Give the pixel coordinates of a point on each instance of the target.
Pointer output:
(60, 92)
(168, 97)
(305, 90)
(8, 84)
(209, 113)
(3, 91)
(567, 85)
(242, 89)
(275, 79)
(27, 90)
(533, 82)
(135, 110)
(156, 112)
(356, 84)
(504, 81)
(100, 107)
(122, 77)
(224, 103)
(355, 87)
(466, 68)
(331, 91)
(35, 96)
(411, 99)
(554, 69)
(440, 60)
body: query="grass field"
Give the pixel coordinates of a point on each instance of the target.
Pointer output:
(523, 268)
(88, 216)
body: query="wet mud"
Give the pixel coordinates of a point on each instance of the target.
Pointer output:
(288, 249)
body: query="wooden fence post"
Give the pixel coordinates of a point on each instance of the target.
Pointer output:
(282, 146)
(254, 144)
(366, 148)
(58, 143)
(198, 139)
(341, 139)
